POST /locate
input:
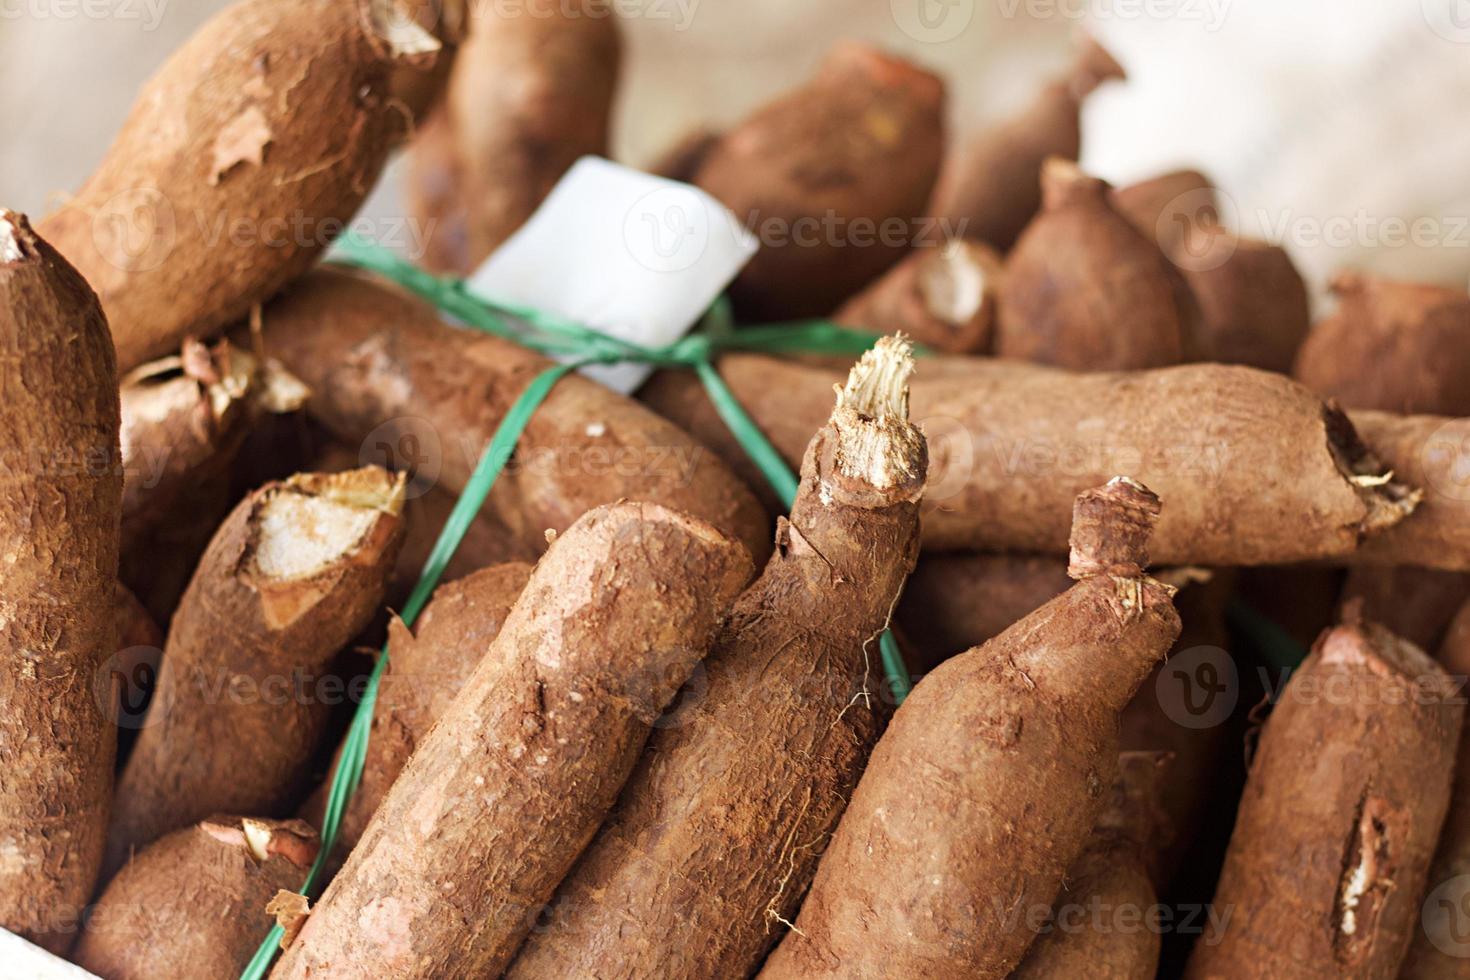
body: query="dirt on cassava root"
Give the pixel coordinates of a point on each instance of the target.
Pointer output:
(59, 418)
(718, 832)
(948, 844)
(511, 783)
(194, 901)
(295, 571)
(242, 157)
(384, 370)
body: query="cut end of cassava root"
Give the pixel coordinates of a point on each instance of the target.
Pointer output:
(1111, 526)
(405, 38)
(314, 520)
(1387, 501)
(876, 443)
(14, 233)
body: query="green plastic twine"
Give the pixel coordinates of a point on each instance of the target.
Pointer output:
(557, 337)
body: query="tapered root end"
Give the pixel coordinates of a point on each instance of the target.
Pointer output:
(1064, 183)
(17, 241)
(1111, 526)
(1093, 65)
(876, 445)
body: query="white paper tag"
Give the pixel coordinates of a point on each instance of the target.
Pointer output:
(21, 959)
(632, 255)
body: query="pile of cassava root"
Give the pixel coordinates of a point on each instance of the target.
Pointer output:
(1180, 576)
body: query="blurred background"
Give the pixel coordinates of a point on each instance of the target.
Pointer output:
(1334, 128)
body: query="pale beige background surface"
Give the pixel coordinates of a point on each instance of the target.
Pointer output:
(1334, 126)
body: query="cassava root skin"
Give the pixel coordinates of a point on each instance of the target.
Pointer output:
(1347, 791)
(1429, 452)
(860, 144)
(1392, 346)
(1108, 881)
(195, 900)
(1437, 951)
(427, 667)
(527, 96)
(295, 571)
(991, 188)
(949, 842)
(1084, 290)
(276, 118)
(718, 831)
(1233, 449)
(381, 364)
(514, 779)
(59, 420)
(1251, 303)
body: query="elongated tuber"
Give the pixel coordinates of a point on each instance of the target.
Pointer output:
(1347, 791)
(719, 830)
(1433, 453)
(515, 777)
(1099, 924)
(1437, 950)
(383, 368)
(993, 185)
(832, 178)
(527, 96)
(63, 501)
(242, 159)
(944, 298)
(194, 901)
(1083, 289)
(948, 841)
(1353, 912)
(1235, 449)
(426, 669)
(294, 572)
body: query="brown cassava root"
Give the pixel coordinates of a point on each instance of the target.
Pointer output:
(512, 782)
(1347, 791)
(296, 570)
(241, 160)
(948, 841)
(943, 297)
(719, 829)
(527, 96)
(1107, 883)
(384, 366)
(993, 185)
(1234, 450)
(194, 901)
(59, 535)
(824, 169)
(426, 669)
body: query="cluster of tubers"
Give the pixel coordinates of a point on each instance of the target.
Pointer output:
(642, 728)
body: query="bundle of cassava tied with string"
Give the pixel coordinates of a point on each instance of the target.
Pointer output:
(447, 651)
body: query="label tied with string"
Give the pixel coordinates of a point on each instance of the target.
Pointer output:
(631, 255)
